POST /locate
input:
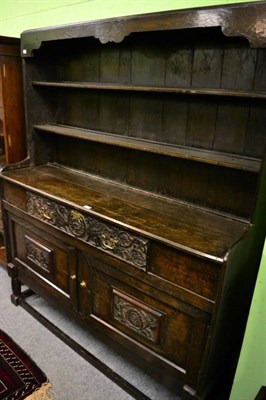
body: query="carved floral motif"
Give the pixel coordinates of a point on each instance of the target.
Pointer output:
(38, 254)
(107, 237)
(137, 317)
(111, 32)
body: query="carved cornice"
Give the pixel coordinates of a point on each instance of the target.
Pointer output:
(251, 25)
(246, 20)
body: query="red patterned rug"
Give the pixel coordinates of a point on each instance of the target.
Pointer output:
(20, 378)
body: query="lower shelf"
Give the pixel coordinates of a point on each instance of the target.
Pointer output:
(191, 153)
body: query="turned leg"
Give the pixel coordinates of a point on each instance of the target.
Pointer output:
(16, 286)
(16, 289)
(15, 283)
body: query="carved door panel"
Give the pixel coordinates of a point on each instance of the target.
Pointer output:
(150, 321)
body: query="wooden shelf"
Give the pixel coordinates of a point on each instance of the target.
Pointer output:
(159, 89)
(201, 155)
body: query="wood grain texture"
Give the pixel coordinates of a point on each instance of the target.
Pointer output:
(145, 184)
(171, 221)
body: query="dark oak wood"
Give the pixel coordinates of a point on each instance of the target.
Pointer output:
(166, 220)
(163, 89)
(141, 206)
(12, 116)
(236, 20)
(11, 100)
(261, 394)
(216, 158)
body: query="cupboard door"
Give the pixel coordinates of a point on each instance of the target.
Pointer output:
(46, 257)
(152, 323)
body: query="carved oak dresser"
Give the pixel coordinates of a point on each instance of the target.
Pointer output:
(141, 205)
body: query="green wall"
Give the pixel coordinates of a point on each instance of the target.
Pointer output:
(19, 15)
(251, 370)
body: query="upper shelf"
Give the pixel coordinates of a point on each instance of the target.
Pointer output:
(159, 89)
(201, 155)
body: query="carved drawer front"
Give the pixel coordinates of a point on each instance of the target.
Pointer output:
(146, 319)
(44, 255)
(98, 233)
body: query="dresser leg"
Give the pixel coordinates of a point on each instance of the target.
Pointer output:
(16, 286)
(15, 283)
(188, 393)
(16, 289)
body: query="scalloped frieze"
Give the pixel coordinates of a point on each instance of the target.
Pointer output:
(247, 20)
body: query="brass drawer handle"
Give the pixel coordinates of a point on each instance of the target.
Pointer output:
(108, 242)
(83, 284)
(73, 277)
(46, 216)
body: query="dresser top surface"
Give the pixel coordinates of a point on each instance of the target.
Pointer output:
(157, 217)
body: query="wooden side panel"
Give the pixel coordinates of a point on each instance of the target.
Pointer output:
(12, 108)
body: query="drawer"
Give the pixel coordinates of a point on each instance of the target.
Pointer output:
(108, 237)
(144, 316)
(185, 270)
(44, 255)
(97, 232)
